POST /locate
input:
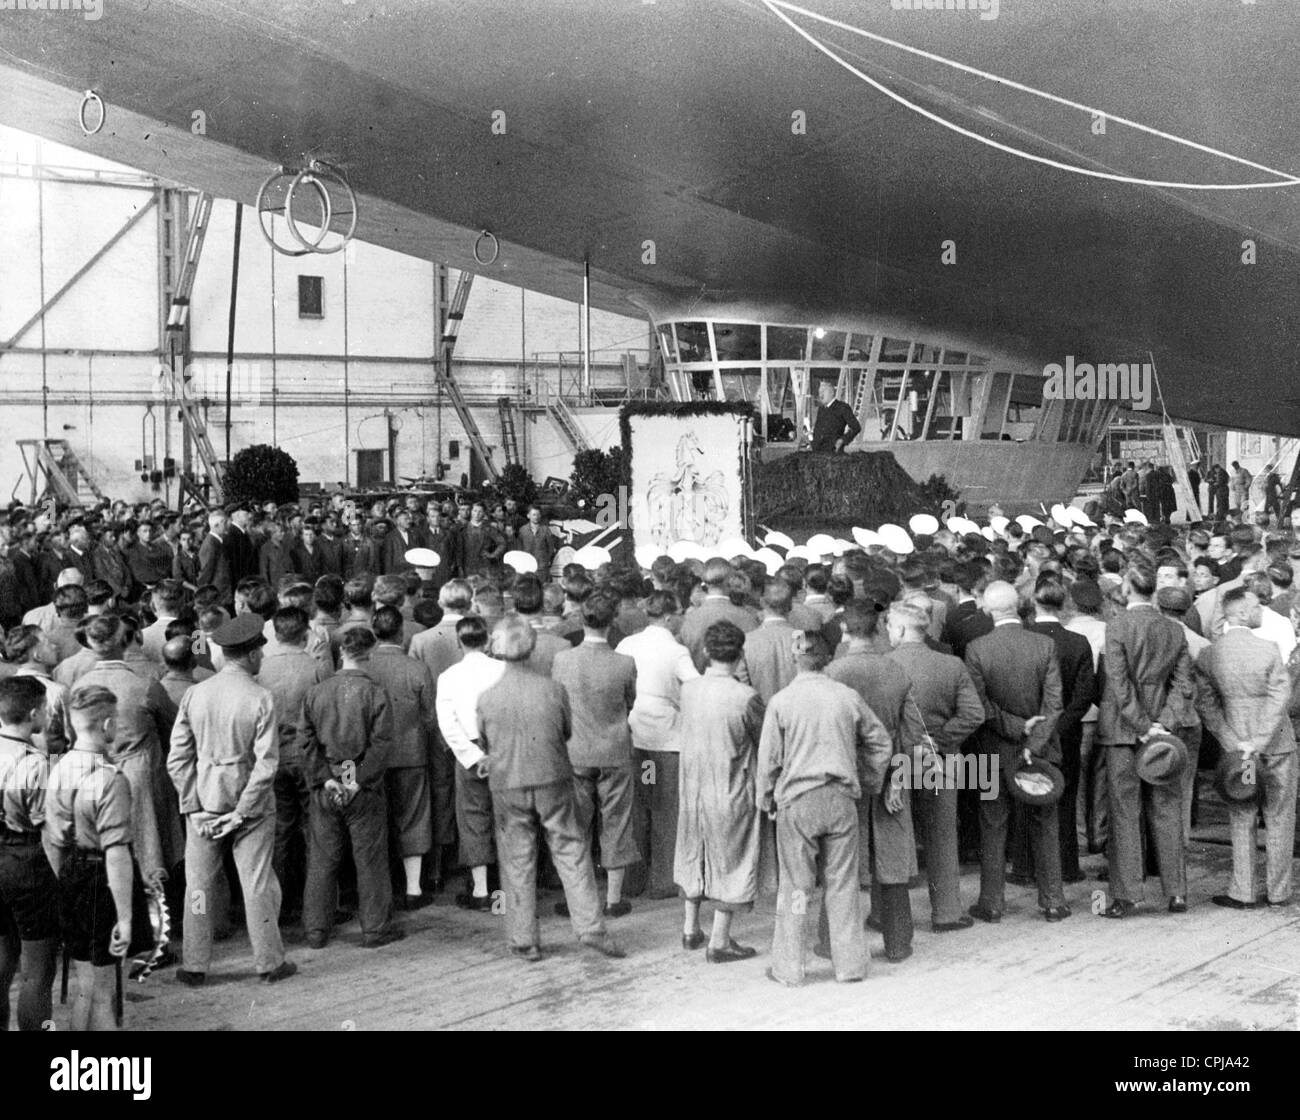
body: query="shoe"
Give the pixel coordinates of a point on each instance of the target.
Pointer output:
(1120, 908)
(561, 909)
(1074, 877)
(416, 901)
(694, 940)
(1284, 902)
(468, 901)
(733, 952)
(1057, 913)
(620, 909)
(530, 953)
(379, 940)
(191, 979)
(1103, 876)
(1232, 903)
(1178, 904)
(605, 944)
(1019, 880)
(984, 914)
(317, 939)
(964, 922)
(873, 923)
(283, 972)
(894, 958)
(784, 983)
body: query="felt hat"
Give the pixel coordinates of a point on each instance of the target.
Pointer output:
(1232, 778)
(1161, 760)
(1036, 782)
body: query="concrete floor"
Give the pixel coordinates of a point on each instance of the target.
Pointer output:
(1208, 969)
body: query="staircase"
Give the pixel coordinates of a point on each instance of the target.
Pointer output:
(565, 422)
(1174, 450)
(64, 474)
(508, 438)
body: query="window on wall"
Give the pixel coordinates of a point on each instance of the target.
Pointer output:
(693, 342)
(738, 342)
(311, 297)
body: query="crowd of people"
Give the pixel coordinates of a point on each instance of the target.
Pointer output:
(306, 715)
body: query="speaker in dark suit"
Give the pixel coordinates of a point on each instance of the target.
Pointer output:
(1019, 682)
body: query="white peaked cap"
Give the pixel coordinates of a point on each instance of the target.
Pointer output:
(998, 524)
(821, 544)
(770, 559)
(866, 537)
(923, 524)
(733, 546)
(1028, 522)
(591, 557)
(895, 538)
(521, 561)
(422, 557)
(647, 554)
(778, 540)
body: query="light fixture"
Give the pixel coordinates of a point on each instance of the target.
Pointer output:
(820, 332)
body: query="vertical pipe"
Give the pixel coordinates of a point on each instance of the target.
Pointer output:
(587, 385)
(40, 226)
(439, 303)
(275, 314)
(347, 406)
(230, 330)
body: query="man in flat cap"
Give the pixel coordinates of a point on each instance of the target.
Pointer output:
(224, 753)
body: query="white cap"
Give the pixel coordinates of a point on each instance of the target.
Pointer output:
(923, 524)
(998, 524)
(778, 540)
(1028, 522)
(647, 554)
(733, 546)
(866, 537)
(591, 556)
(1135, 517)
(821, 544)
(770, 559)
(422, 557)
(895, 538)
(803, 552)
(1080, 518)
(1061, 516)
(521, 561)
(989, 533)
(841, 546)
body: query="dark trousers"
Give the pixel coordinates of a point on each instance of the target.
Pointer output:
(654, 823)
(289, 859)
(1129, 795)
(1045, 846)
(474, 819)
(364, 820)
(442, 779)
(1092, 780)
(935, 814)
(818, 830)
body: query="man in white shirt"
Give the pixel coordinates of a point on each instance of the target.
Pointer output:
(662, 665)
(459, 688)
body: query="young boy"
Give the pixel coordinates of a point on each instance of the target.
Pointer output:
(28, 889)
(87, 839)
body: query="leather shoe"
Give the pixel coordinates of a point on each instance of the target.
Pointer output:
(891, 958)
(481, 903)
(379, 940)
(873, 923)
(1232, 903)
(284, 970)
(416, 901)
(1120, 908)
(963, 922)
(561, 909)
(1178, 904)
(984, 914)
(530, 953)
(733, 952)
(619, 909)
(317, 939)
(605, 944)
(694, 940)
(1284, 902)
(191, 979)
(1057, 913)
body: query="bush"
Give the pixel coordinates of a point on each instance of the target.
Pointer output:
(596, 473)
(940, 498)
(261, 473)
(515, 482)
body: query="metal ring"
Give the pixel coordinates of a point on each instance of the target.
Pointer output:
(317, 172)
(496, 247)
(282, 173)
(86, 98)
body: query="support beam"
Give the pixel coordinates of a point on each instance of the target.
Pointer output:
(72, 280)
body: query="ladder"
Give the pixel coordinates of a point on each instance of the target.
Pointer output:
(508, 438)
(447, 381)
(197, 430)
(62, 469)
(1178, 461)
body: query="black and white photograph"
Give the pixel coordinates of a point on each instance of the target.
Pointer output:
(652, 516)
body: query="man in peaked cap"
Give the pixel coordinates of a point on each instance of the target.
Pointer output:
(229, 718)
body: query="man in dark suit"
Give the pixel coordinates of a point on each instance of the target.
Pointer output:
(1018, 680)
(214, 564)
(536, 539)
(601, 686)
(1147, 690)
(307, 556)
(717, 607)
(1079, 689)
(1244, 693)
(241, 553)
(400, 540)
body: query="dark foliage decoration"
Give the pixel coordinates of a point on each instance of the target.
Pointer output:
(597, 472)
(515, 482)
(941, 499)
(261, 473)
(826, 492)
